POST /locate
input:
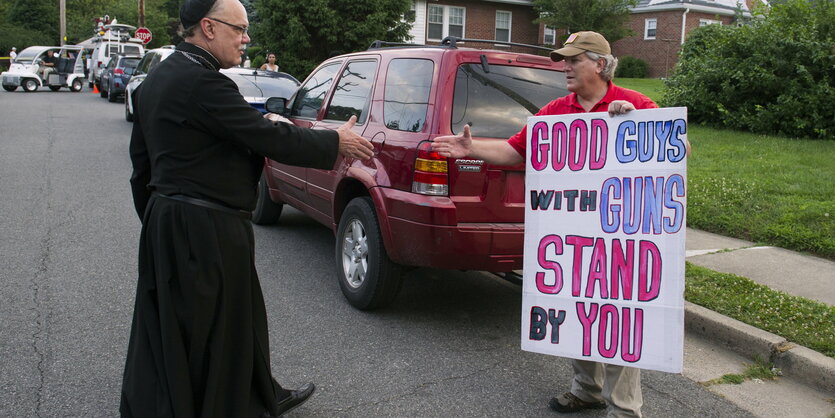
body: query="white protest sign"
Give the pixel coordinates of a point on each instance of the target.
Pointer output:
(604, 237)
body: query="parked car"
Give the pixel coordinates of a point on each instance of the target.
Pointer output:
(25, 70)
(115, 40)
(409, 206)
(257, 86)
(115, 76)
(145, 65)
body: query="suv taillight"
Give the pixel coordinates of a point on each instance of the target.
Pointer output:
(118, 71)
(431, 172)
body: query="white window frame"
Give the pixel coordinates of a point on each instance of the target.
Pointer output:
(705, 22)
(653, 22)
(446, 16)
(509, 25)
(553, 35)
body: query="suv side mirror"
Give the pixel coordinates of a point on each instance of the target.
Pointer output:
(276, 105)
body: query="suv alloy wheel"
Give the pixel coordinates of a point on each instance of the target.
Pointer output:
(368, 278)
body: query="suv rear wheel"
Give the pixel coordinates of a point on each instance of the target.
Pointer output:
(368, 278)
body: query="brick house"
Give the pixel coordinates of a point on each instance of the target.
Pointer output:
(660, 25)
(505, 20)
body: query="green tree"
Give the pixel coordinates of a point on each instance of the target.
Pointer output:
(25, 23)
(304, 33)
(775, 76)
(607, 17)
(38, 16)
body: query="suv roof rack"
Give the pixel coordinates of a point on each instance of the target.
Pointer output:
(451, 41)
(382, 44)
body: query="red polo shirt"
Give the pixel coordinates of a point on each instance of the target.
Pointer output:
(569, 104)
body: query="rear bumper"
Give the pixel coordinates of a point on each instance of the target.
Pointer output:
(414, 240)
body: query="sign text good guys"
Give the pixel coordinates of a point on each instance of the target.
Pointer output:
(604, 237)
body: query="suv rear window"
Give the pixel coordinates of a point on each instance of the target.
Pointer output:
(408, 82)
(132, 50)
(497, 104)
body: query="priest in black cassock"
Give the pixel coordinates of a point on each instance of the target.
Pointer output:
(199, 345)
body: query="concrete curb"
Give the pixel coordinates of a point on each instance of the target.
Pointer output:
(799, 363)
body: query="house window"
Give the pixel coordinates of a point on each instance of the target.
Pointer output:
(456, 21)
(705, 22)
(410, 15)
(549, 36)
(649, 28)
(445, 21)
(503, 26)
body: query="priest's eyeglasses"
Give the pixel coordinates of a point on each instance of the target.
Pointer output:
(240, 29)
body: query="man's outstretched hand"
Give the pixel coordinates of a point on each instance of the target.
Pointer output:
(352, 145)
(454, 146)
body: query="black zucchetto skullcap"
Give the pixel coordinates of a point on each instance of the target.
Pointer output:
(193, 10)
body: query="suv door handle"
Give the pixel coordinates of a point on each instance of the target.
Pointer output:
(377, 140)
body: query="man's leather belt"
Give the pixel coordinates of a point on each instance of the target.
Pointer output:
(206, 204)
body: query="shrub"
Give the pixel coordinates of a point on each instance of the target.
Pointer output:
(14, 35)
(631, 67)
(775, 76)
(258, 61)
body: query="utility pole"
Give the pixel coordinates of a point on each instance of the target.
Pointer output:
(141, 13)
(62, 20)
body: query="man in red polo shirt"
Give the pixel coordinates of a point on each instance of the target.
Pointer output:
(589, 69)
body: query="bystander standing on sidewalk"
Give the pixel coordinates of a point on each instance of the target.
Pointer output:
(12, 55)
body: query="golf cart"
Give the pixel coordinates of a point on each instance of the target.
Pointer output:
(27, 69)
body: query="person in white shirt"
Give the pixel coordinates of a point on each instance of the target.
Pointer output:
(270, 65)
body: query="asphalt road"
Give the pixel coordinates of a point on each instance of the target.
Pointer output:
(448, 347)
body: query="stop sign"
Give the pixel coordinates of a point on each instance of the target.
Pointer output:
(144, 34)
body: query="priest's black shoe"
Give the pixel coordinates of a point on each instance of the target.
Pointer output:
(296, 398)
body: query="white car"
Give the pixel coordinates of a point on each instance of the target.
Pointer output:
(26, 70)
(143, 68)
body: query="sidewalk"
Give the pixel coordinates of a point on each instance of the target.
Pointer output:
(709, 332)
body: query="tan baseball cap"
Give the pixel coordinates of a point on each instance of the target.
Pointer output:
(579, 42)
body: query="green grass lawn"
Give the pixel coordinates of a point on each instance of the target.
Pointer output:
(651, 87)
(802, 321)
(768, 189)
(771, 190)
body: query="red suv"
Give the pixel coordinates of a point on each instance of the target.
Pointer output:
(408, 206)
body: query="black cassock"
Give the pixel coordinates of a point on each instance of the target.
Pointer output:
(199, 343)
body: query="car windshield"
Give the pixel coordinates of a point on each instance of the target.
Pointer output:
(27, 56)
(262, 86)
(497, 103)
